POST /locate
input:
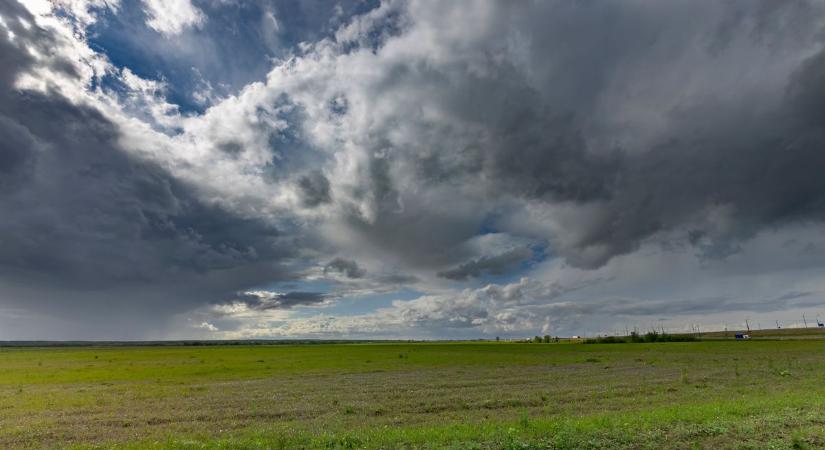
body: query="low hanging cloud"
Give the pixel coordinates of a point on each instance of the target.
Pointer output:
(264, 300)
(347, 267)
(494, 265)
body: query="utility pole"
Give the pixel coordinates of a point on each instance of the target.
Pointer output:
(805, 321)
(747, 325)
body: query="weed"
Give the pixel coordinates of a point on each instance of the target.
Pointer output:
(524, 419)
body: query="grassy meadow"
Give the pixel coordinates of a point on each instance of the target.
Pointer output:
(705, 394)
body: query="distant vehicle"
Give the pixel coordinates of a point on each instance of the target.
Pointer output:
(820, 324)
(575, 337)
(742, 336)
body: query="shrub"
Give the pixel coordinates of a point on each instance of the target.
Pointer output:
(634, 337)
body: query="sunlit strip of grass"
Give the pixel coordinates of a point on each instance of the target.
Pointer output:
(780, 421)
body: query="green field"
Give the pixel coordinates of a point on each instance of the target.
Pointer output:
(707, 394)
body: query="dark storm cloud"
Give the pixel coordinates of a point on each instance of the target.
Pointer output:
(84, 224)
(315, 189)
(397, 279)
(287, 300)
(494, 265)
(529, 149)
(346, 267)
(540, 135)
(765, 166)
(704, 305)
(760, 162)
(17, 155)
(88, 214)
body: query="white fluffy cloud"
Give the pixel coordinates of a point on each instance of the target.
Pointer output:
(170, 17)
(655, 287)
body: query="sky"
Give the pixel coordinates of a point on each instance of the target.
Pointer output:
(221, 169)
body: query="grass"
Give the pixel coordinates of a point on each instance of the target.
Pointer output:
(706, 394)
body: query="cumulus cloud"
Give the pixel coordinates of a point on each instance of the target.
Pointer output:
(563, 300)
(510, 308)
(170, 17)
(207, 326)
(495, 265)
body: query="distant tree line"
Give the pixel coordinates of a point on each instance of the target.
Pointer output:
(650, 336)
(545, 340)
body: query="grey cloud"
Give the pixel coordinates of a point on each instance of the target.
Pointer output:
(532, 128)
(265, 301)
(315, 189)
(346, 267)
(398, 279)
(17, 155)
(703, 306)
(12, 60)
(88, 230)
(495, 265)
(233, 148)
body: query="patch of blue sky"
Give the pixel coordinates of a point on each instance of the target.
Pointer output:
(234, 46)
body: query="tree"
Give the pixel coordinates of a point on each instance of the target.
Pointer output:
(546, 338)
(537, 339)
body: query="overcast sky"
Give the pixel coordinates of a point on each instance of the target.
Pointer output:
(434, 169)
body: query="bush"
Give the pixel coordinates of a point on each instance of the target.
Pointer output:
(635, 337)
